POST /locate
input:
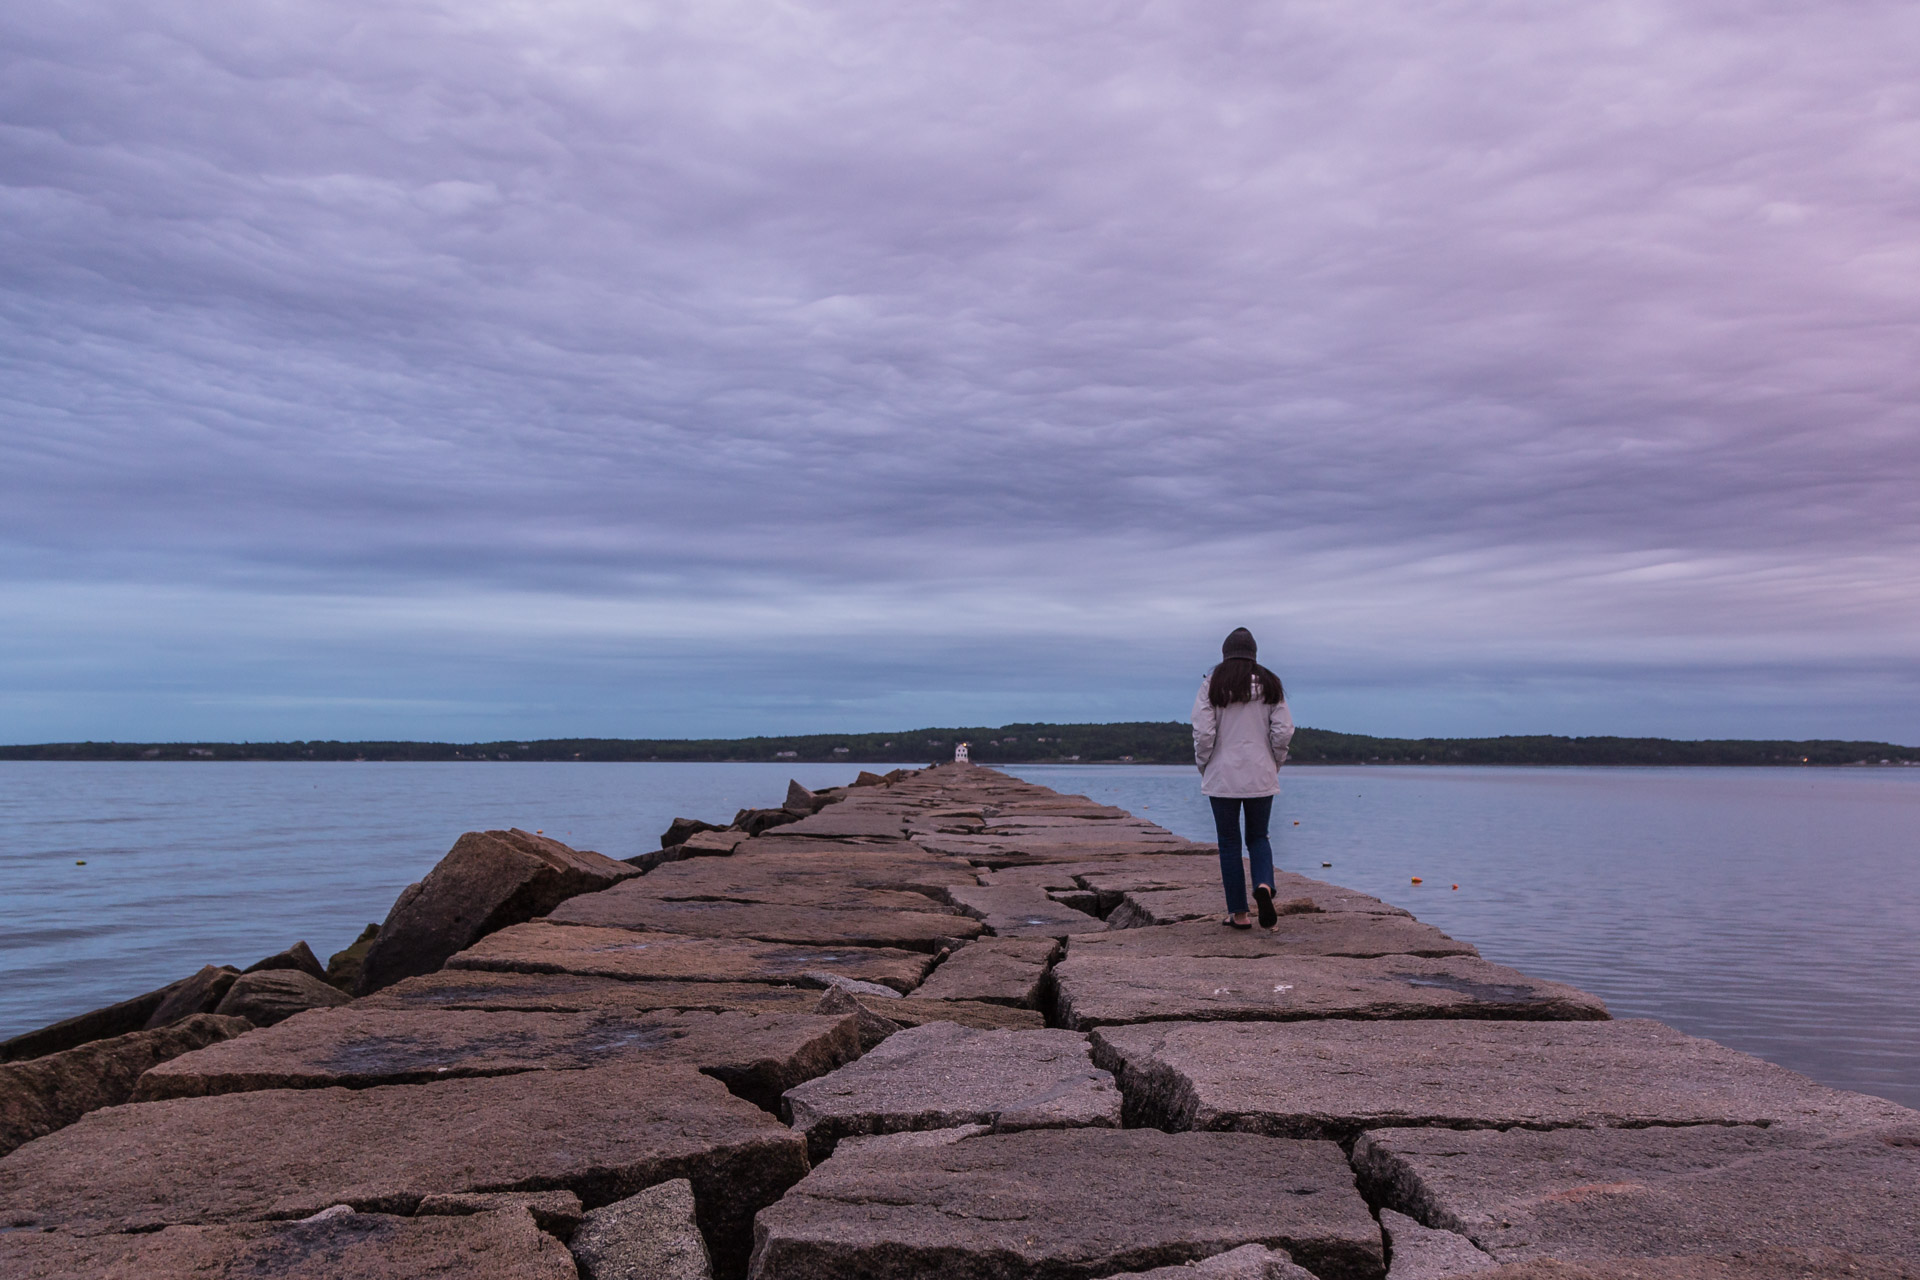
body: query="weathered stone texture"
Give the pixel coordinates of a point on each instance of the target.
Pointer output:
(1248, 1262)
(343, 967)
(1756, 1264)
(1336, 1078)
(289, 1153)
(1358, 934)
(268, 996)
(1167, 891)
(47, 1093)
(1016, 911)
(95, 1024)
(298, 956)
(1703, 1189)
(928, 929)
(1099, 989)
(1067, 1203)
(916, 1012)
(541, 947)
(758, 1056)
(578, 993)
(649, 1236)
(557, 1213)
(849, 818)
(942, 1075)
(502, 1245)
(201, 993)
(998, 970)
(1427, 1253)
(487, 881)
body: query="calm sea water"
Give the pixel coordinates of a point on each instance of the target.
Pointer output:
(1777, 911)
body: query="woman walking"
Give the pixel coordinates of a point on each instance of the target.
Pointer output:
(1241, 727)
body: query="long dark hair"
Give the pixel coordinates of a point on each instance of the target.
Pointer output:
(1233, 682)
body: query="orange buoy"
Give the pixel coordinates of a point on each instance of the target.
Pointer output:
(1296, 822)
(1456, 886)
(1416, 879)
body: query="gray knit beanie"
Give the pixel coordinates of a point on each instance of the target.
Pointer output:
(1240, 644)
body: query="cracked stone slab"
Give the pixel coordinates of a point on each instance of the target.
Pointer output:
(1194, 883)
(943, 1075)
(921, 930)
(577, 993)
(916, 1011)
(998, 970)
(1608, 1193)
(817, 872)
(1094, 989)
(1336, 1078)
(1358, 934)
(1248, 1262)
(557, 1213)
(1427, 1253)
(346, 1246)
(912, 1139)
(1138, 908)
(602, 1134)
(1049, 875)
(998, 852)
(1068, 1203)
(43, 1094)
(849, 818)
(757, 1055)
(649, 1236)
(1016, 911)
(541, 947)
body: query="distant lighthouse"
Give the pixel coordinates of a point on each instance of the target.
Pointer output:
(960, 754)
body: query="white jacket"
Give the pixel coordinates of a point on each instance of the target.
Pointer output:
(1241, 746)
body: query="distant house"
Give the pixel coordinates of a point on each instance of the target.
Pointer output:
(843, 751)
(786, 755)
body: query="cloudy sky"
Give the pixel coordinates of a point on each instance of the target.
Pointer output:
(476, 369)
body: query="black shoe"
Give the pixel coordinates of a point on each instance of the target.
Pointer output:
(1231, 923)
(1264, 896)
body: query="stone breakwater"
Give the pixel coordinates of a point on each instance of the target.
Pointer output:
(937, 1024)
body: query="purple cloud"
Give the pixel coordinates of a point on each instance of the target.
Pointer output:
(482, 369)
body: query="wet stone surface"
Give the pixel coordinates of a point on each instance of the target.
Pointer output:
(758, 1055)
(941, 1075)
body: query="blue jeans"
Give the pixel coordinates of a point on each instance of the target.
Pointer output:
(1226, 825)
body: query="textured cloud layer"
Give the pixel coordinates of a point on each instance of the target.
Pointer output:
(470, 368)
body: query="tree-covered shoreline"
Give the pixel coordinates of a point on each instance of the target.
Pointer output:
(1141, 742)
